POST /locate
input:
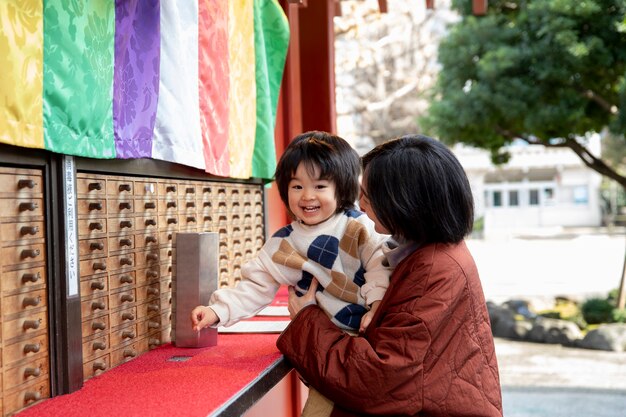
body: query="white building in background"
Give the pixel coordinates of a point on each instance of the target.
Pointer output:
(540, 190)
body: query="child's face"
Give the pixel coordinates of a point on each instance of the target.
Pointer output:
(364, 204)
(311, 200)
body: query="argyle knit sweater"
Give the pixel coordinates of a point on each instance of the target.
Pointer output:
(344, 254)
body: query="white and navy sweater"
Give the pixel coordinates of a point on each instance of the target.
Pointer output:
(344, 253)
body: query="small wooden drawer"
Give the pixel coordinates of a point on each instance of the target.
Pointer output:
(23, 302)
(26, 372)
(122, 225)
(123, 335)
(148, 207)
(122, 261)
(97, 286)
(26, 396)
(23, 349)
(96, 366)
(124, 299)
(94, 307)
(147, 240)
(147, 224)
(146, 188)
(122, 317)
(166, 268)
(151, 308)
(121, 243)
(167, 189)
(24, 254)
(96, 326)
(120, 187)
(122, 280)
(95, 347)
(147, 258)
(129, 352)
(88, 207)
(20, 182)
(167, 237)
(123, 207)
(91, 187)
(23, 279)
(149, 325)
(148, 292)
(147, 275)
(168, 206)
(95, 247)
(33, 323)
(89, 267)
(95, 227)
(22, 231)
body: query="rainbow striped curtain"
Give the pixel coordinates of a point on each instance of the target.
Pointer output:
(193, 82)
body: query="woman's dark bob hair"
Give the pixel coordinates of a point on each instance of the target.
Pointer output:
(418, 190)
(335, 158)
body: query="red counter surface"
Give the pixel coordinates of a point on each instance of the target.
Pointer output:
(224, 380)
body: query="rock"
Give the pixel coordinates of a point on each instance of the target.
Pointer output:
(610, 337)
(546, 330)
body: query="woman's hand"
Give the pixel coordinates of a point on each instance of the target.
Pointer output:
(298, 303)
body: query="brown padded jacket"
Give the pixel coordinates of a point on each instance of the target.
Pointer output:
(428, 351)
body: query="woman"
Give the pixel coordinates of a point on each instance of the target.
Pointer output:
(429, 350)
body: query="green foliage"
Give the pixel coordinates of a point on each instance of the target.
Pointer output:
(619, 315)
(535, 69)
(597, 310)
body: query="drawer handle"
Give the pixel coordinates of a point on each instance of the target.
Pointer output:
(190, 190)
(150, 222)
(30, 253)
(151, 239)
(25, 184)
(206, 190)
(152, 257)
(127, 334)
(126, 261)
(99, 346)
(29, 277)
(31, 301)
(32, 347)
(95, 226)
(28, 372)
(31, 396)
(152, 274)
(153, 291)
(125, 206)
(96, 246)
(95, 186)
(154, 342)
(98, 285)
(126, 223)
(206, 204)
(98, 325)
(126, 279)
(169, 252)
(31, 324)
(129, 353)
(98, 305)
(124, 187)
(29, 230)
(170, 189)
(127, 298)
(207, 218)
(99, 266)
(153, 307)
(171, 204)
(190, 204)
(153, 324)
(95, 206)
(172, 221)
(191, 219)
(28, 207)
(150, 205)
(126, 242)
(128, 316)
(169, 236)
(99, 366)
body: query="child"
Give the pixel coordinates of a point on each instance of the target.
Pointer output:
(317, 178)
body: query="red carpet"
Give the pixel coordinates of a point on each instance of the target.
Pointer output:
(153, 385)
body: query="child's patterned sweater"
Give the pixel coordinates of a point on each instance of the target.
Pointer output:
(344, 253)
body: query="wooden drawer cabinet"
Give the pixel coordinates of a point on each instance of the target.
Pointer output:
(24, 358)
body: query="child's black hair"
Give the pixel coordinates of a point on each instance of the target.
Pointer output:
(336, 159)
(418, 190)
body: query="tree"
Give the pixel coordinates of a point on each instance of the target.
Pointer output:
(544, 71)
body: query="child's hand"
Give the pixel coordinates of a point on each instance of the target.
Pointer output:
(367, 317)
(298, 303)
(203, 316)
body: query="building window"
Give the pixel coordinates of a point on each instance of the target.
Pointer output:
(548, 196)
(513, 198)
(534, 197)
(497, 198)
(581, 195)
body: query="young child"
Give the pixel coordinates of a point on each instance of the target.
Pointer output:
(318, 181)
